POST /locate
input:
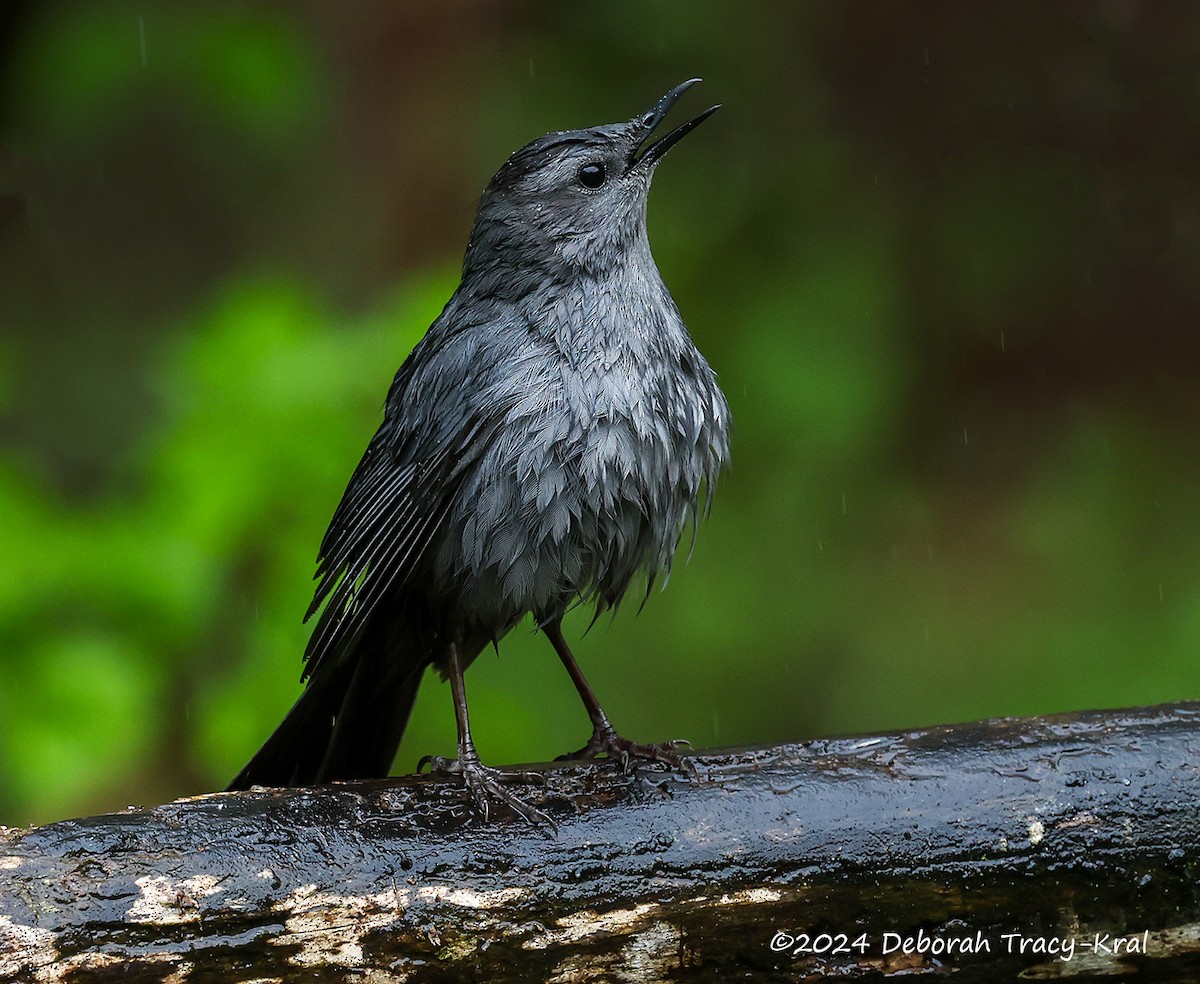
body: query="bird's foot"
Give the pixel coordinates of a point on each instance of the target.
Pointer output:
(605, 741)
(486, 785)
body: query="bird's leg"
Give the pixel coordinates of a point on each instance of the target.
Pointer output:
(483, 782)
(605, 740)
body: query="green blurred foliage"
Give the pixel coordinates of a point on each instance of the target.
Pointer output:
(942, 256)
(125, 625)
(238, 71)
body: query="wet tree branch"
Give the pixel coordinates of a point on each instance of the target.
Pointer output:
(1076, 835)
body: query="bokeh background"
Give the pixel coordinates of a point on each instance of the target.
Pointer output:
(944, 257)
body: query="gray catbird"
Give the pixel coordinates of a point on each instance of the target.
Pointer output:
(549, 438)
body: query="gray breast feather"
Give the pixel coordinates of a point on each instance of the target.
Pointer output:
(590, 478)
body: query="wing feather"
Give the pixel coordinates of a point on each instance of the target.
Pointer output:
(387, 517)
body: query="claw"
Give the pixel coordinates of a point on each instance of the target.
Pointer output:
(485, 785)
(605, 741)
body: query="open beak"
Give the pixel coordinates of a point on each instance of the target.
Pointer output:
(650, 119)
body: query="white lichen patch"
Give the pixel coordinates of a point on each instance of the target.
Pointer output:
(308, 900)
(23, 948)
(326, 923)
(9, 862)
(751, 896)
(330, 928)
(1037, 830)
(651, 954)
(326, 950)
(348, 917)
(29, 954)
(580, 925)
(1177, 939)
(330, 931)
(745, 896)
(167, 900)
(468, 898)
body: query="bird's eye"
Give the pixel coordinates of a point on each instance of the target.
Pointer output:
(591, 175)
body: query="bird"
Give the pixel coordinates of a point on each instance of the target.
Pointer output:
(546, 444)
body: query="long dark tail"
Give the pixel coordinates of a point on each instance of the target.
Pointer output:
(346, 725)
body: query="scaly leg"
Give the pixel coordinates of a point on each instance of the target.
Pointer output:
(605, 740)
(484, 783)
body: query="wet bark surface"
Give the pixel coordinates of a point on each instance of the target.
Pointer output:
(1047, 847)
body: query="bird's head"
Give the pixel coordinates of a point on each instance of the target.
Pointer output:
(574, 199)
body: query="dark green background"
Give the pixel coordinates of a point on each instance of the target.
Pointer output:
(943, 256)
